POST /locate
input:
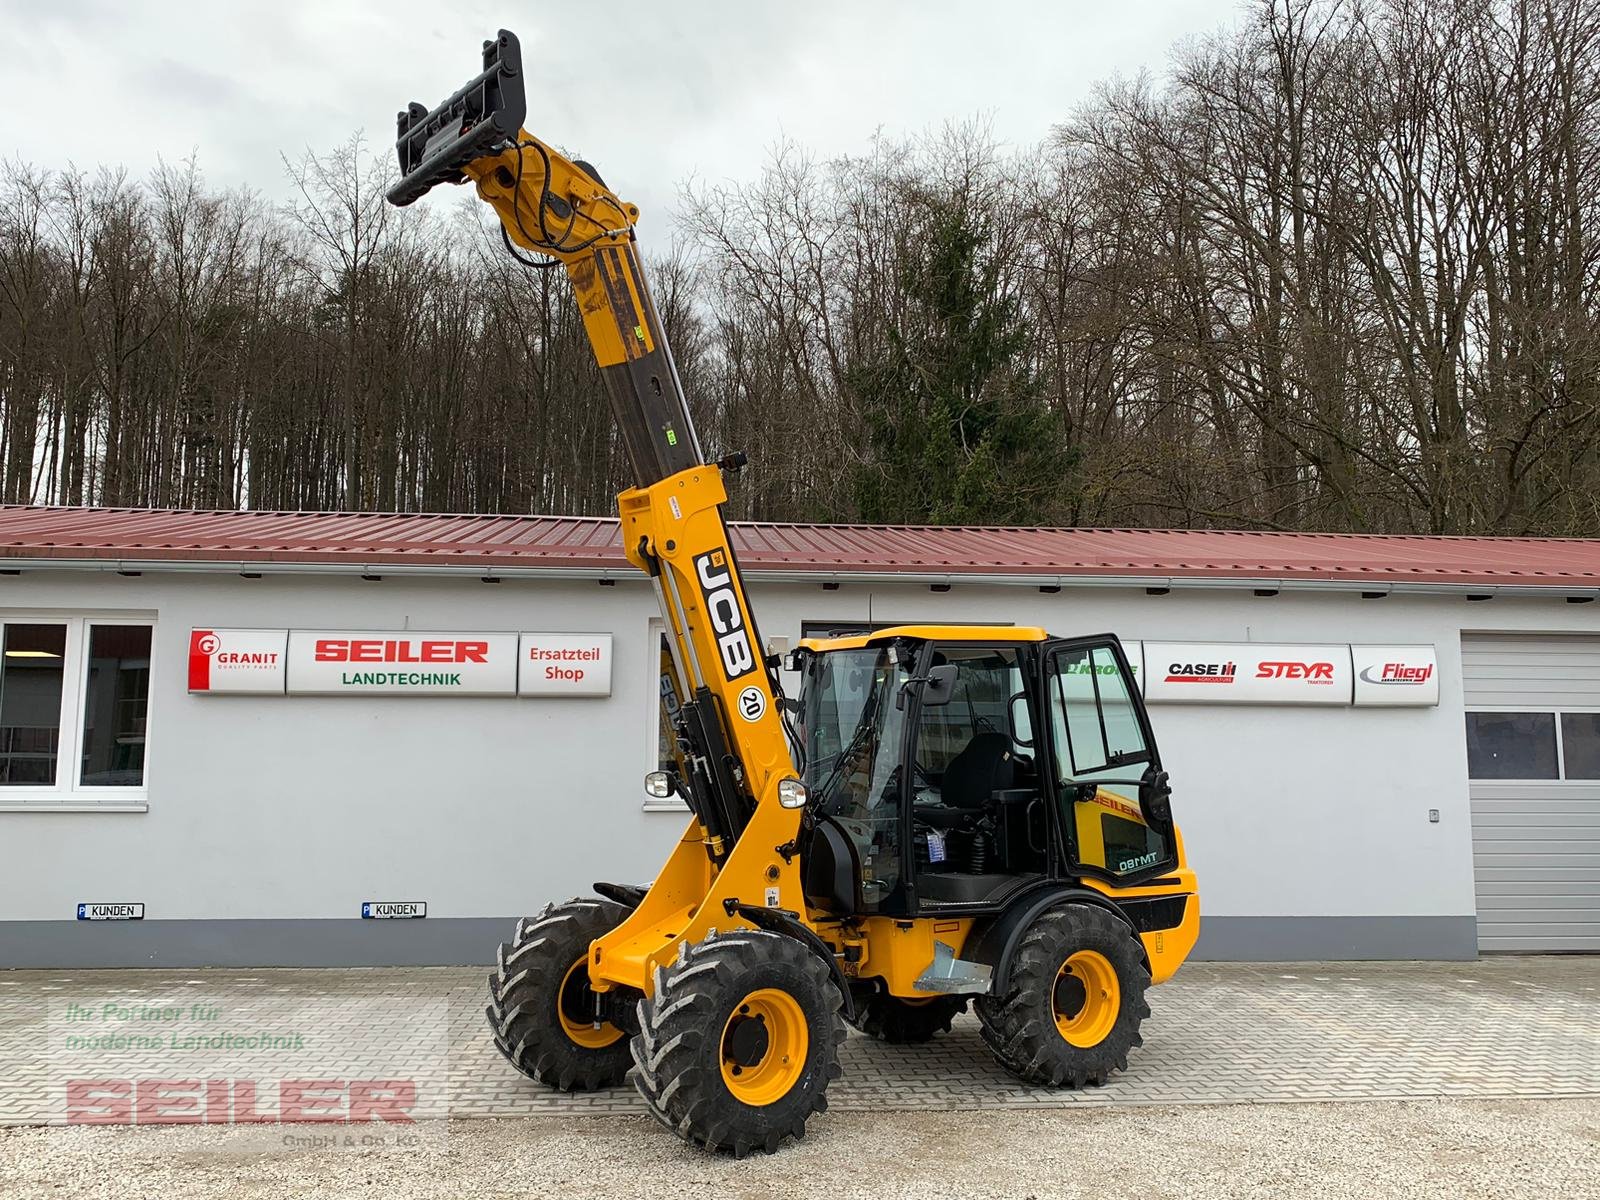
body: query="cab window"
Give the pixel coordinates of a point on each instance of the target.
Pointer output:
(1099, 754)
(986, 681)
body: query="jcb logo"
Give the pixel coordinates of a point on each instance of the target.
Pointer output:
(727, 618)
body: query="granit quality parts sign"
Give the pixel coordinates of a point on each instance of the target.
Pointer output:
(237, 660)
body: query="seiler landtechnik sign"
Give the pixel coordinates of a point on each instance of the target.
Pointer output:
(308, 662)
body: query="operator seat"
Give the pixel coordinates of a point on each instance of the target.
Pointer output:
(984, 766)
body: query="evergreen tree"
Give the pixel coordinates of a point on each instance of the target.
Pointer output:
(958, 432)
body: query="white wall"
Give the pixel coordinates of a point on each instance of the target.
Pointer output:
(281, 807)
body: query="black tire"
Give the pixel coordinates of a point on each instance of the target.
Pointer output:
(541, 969)
(691, 1031)
(887, 1018)
(1021, 1027)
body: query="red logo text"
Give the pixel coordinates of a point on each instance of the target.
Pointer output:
(400, 650)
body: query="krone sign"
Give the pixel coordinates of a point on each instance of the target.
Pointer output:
(1076, 668)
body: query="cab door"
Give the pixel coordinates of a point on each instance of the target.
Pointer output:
(1111, 792)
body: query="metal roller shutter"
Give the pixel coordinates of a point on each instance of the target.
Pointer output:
(1536, 842)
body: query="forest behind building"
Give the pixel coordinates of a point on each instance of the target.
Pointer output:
(1335, 267)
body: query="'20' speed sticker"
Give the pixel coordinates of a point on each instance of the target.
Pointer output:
(752, 704)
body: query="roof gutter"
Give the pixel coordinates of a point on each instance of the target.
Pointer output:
(782, 574)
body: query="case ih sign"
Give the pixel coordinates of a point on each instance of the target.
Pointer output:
(303, 662)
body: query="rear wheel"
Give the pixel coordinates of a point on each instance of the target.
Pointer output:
(738, 1044)
(541, 1010)
(1074, 1000)
(901, 1021)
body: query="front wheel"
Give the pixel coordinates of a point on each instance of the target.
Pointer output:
(738, 1044)
(541, 1010)
(1074, 1000)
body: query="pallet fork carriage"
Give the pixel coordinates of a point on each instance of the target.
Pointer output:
(946, 814)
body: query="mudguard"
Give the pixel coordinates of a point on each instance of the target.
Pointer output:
(994, 943)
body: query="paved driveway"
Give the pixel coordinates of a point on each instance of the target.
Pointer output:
(1220, 1033)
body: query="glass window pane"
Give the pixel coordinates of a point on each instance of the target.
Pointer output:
(1124, 738)
(30, 703)
(1096, 725)
(1580, 745)
(979, 703)
(1511, 745)
(1095, 720)
(115, 701)
(853, 734)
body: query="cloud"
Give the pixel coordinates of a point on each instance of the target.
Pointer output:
(653, 93)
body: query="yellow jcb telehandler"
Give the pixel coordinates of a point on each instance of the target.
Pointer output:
(946, 814)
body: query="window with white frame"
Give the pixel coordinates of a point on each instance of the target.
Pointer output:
(74, 709)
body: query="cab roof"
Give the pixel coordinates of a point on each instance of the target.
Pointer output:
(1007, 634)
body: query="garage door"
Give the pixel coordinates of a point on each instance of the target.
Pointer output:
(1533, 756)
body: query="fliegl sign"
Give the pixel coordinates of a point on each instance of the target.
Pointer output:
(1211, 673)
(1396, 676)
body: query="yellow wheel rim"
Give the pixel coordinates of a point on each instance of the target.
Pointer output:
(1086, 998)
(575, 1003)
(764, 1045)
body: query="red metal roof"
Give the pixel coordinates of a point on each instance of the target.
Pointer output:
(504, 542)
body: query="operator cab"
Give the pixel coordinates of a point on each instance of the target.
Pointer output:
(949, 767)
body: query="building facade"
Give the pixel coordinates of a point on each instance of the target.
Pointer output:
(256, 739)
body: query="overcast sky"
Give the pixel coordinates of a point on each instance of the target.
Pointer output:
(653, 93)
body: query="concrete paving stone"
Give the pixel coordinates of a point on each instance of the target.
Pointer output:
(1219, 1033)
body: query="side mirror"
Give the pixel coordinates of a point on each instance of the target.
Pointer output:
(1155, 796)
(938, 686)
